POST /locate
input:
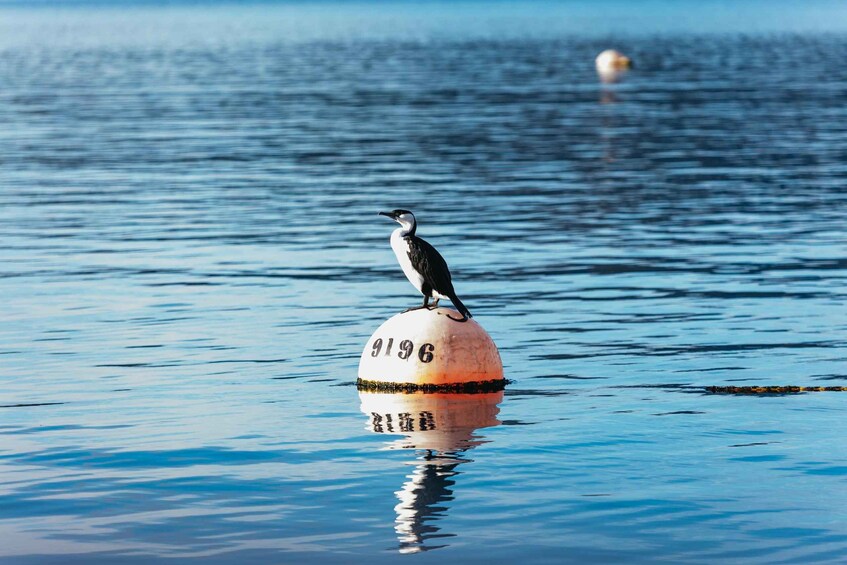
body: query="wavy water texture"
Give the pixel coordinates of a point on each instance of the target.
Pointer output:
(191, 262)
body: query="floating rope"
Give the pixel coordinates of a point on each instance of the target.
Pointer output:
(772, 389)
(470, 387)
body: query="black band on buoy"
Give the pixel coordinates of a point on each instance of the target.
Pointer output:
(469, 387)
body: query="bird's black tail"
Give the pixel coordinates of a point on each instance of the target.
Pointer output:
(461, 308)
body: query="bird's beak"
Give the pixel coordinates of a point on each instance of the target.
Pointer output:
(387, 214)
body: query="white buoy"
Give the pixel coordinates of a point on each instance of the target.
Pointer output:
(429, 350)
(611, 64)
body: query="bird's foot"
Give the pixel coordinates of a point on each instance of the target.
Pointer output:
(416, 308)
(465, 319)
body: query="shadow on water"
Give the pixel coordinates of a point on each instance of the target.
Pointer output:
(441, 428)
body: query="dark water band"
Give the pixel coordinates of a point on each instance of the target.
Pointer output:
(466, 388)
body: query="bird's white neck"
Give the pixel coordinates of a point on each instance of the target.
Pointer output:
(407, 223)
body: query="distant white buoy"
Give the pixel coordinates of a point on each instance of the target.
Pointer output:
(611, 63)
(429, 350)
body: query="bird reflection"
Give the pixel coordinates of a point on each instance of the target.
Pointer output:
(611, 76)
(441, 427)
(422, 502)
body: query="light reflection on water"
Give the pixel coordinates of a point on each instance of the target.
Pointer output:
(191, 264)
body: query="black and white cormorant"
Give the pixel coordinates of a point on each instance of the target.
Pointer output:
(425, 268)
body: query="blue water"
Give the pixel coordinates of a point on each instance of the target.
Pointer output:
(191, 263)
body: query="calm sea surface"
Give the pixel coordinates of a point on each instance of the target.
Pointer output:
(191, 263)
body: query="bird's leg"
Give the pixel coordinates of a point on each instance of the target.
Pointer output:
(421, 307)
(434, 304)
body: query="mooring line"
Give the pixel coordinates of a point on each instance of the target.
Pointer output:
(777, 389)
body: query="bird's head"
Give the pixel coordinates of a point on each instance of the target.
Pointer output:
(403, 217)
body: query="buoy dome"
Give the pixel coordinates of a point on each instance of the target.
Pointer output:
(429, 348)
(612, 60)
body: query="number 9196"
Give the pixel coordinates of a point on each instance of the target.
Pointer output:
(404, 350)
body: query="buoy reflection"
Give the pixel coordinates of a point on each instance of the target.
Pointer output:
(611, 76)
(441, 427)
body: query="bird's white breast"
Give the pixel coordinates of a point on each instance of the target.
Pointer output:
(401, 250)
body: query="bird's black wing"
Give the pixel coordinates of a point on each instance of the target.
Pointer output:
(430, 264)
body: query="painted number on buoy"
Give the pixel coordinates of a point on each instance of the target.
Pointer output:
(426, 352)
(406, 348)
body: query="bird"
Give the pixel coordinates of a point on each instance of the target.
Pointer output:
(423, 265)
